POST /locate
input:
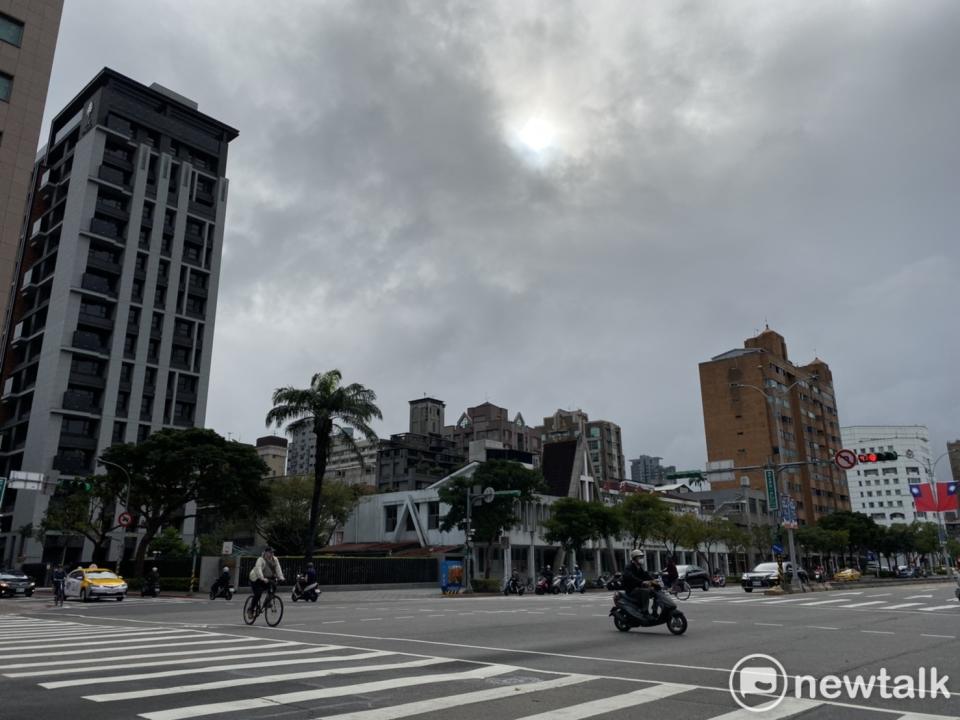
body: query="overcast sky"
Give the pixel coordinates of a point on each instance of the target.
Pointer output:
(569, 205)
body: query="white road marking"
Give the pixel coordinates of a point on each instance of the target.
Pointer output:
(941, 607)
(780, 602)
(821, 627)
(770, 624)
(901, 605)
(787, 707)
(918, 597)
(725, 622)
(948, 637)
(877, 632)
(822, 602)
(394, 712)
(93, 650)
(65, 639)
(863, 604)
(271, 701)
(611, 704)
(332, 622)
(879, 595)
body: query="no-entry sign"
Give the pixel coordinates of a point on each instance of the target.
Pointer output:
(125, 519)
(845, 459)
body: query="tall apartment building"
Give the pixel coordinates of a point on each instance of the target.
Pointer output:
(648, 470)
(759, 408)
(273, 451)
(116, 283)
(603, 442)
(882, 490)
(342, 464)
(491, 422)
(302, 451)
(28, 36)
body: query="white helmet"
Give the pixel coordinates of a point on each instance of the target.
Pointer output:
(634, 554)
(226, 569)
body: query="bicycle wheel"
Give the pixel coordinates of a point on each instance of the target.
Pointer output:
(250, 611)
(273, 610)
(683, 592)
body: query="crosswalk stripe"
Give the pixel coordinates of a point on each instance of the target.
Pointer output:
(823, 602)
(99, 680)
(65, 638)
(68, 641)
(785, 708)
(162, 663)
(394, 712)
(87, 661)
(901, 605)
(941, 607)
(611, 704)
(271, 701)
(263, 679)
(780, 602)
(94, 650)
(924, 716)
(864, 604)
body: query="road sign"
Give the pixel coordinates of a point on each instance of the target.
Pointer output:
(488, 494)
(227, 548)
(771, 479)
(845, 459)
(777, 549)
(125, 519)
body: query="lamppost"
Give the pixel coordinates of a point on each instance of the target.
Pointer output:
(126, 502)
(778, 466)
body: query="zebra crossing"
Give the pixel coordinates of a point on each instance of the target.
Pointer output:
(119, 671)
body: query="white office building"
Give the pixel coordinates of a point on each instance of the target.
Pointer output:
(882, 490)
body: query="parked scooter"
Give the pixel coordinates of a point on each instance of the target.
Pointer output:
(626, 614)
(150, 588)
(513, 586)
(558, 585)
(579, 585)
(302, 591)
(615, 582)
(719, 580)
(543, 587)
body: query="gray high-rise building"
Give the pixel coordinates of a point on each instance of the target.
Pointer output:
(112, 313)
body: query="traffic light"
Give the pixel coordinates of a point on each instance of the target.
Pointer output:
(877, 457)
(73, 485)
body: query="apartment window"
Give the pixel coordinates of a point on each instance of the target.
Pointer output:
(11, 31)
(390, 518)
(119, 432)
(6, 86)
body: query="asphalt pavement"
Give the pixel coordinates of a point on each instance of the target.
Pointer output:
(413, 653)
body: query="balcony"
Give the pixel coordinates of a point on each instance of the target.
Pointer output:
(103, 261)
(98, 284)
(113, 209)
(85, 442)
(87, 380)
(35, 229)
(72, 464)
(81, 402)
(89, 341)
(119, 159)
(27, 282)
(106, 229)
(97, 321)
(113, 176)
(18, 334)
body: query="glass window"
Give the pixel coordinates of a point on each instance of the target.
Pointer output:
(6, 86)
(11, 31)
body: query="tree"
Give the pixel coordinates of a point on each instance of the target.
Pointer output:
(169, 544)
(489, 520)
(74, 511)
(641, 513)
(761, 539)
(671, 532)
(173, 468)
(861, 529)
(712, 532)
(574, 522)
(737, 540)
(286, 526)
(926, 537)
(327, 408)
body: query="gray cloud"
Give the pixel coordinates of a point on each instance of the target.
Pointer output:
(715, 166)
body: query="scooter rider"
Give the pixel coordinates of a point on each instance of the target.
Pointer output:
(636, 580)
(547, 575)
(223, 581)
(311, 579)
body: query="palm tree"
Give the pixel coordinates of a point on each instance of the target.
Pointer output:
(327, 408)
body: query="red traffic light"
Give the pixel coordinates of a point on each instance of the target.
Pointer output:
(877, 457)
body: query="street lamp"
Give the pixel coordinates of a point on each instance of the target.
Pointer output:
(795, 575)
(126, 501)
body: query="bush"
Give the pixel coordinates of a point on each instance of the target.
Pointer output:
(485, 585)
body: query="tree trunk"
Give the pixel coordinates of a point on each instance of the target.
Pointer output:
(150, 532)
(322, 431)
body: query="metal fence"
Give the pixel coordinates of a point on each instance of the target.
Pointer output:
(354, 570)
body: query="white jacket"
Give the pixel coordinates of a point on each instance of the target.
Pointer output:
(262, 571)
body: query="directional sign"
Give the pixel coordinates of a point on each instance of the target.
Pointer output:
(845, 459)
(125, 519)
(488, 494)
(771, 479)
(777, 549)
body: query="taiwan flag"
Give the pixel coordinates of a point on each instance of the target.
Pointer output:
(947, 496)
(923, 500)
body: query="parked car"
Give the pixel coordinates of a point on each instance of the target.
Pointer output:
(695, 576)
(767, 575)
(93, 583)
(14, 582)
(846, 575)
(908, 571)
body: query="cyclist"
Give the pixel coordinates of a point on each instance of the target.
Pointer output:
(673, 575)
(265, 571)
(637, 581)
(59, 578)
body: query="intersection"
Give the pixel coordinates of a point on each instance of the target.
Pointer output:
(376, 655)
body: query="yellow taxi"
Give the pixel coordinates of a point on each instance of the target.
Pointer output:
(93, 583)
(847, 575)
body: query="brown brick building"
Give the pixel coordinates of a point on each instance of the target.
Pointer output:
(28, 36)
(491, 422)
(796, 422)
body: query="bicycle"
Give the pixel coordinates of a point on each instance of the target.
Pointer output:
(58, 594)
(270, 606)
(680, 590)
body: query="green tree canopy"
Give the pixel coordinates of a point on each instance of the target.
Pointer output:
(73, 511)
(172, 468)
(329, 409)
(641, 513)
(169, 544)
(573, 523)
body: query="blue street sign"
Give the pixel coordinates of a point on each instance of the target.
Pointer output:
(777, 549)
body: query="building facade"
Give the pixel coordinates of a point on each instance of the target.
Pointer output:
(28, 36)
(344, 465)
(302, 450)
(647, 469)
(273, 451)
(491, 422)
(602, 438)
(882, 490)
(409, 461)
(759, 409)
(111, 324)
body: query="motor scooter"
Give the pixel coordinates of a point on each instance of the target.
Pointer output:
(302, 591)
(513, 586)
(719, 580)
(542, 587)
(222, 591)
(615, 582)
(626, 613)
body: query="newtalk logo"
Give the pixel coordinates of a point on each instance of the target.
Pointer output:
(759, 682)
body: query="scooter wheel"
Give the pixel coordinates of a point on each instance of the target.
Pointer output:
(520, 591)
(229, 595)
(293, 596)
(556, 591)
(620, 622)
(677, 624)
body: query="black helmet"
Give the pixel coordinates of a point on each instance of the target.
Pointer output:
(309, 565)
(268, 549)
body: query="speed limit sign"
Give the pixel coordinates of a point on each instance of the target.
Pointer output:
(125, 519)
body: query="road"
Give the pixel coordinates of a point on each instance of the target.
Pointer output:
(392, 654)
